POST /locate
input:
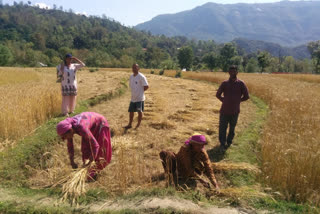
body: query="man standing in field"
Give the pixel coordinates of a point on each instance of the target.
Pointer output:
(138, 84)
(234, 92)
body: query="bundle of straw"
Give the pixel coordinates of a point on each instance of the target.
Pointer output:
(73, 185)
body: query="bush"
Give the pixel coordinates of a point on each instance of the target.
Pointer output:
(252, 66)
(161, 72)
(168, 64)
(93, 69)
(152, 72)
(178, 74)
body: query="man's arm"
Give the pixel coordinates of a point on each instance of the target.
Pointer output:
(219, 93)
(245, 93)
(144, 83)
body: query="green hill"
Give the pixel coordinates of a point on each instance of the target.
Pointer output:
(29, 35)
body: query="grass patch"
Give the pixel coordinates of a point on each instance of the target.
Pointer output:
(190, 195)
(27, 192)
(105, 97)
(146, 211)
(247, 148)
(280, 206)
(154, 192)
(254, 199)
(240, 178)
(15, 161)
(124, 211)
(93, 195)
(14, 207)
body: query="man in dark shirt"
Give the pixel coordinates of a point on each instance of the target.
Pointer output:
(234, 92)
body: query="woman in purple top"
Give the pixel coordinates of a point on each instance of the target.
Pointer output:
(234, 92)
(96, 142)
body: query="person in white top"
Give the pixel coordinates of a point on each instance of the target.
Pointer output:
(66, 73)
(138, 84)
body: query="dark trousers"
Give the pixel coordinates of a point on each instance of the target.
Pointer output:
(224, 121)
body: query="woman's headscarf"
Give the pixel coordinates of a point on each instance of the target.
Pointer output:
(65, 125)
(197, 138)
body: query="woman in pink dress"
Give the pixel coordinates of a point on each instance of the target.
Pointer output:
(95, 143)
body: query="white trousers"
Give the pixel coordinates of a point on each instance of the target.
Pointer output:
(68, 104)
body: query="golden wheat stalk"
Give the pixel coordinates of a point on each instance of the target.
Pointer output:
(73, 185)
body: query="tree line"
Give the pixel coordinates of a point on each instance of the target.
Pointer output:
(259, 62)
(30, 36)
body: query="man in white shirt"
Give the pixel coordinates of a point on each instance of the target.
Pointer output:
(138, 84)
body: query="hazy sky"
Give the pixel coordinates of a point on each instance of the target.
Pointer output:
(130, 12)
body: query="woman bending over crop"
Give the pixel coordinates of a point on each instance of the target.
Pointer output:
(95, 143)
(189, 163)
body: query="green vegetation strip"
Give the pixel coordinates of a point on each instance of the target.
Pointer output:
(14, 162)
(27, 201)
(14, 207)
(246, 148)
(22, 203)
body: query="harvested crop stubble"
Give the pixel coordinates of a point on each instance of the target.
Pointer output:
(128, 165)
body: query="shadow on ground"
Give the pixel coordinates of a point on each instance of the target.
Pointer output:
(216, 154)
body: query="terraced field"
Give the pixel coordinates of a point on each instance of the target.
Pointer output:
(174, 109)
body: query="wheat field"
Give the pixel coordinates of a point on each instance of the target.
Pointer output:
(290, 148)
(28, 98)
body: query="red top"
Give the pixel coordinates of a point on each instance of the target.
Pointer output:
(234, 92)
